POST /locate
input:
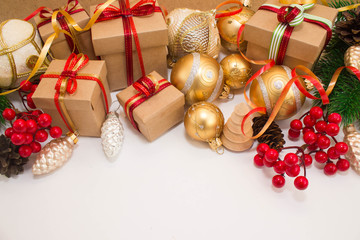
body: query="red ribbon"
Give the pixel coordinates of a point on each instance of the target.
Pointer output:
(285, 15)
(142, 8)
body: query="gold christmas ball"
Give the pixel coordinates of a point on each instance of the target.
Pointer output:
(192, 31)
(199, 77)
(266, 89)
(229, 28)
(204, 121)
(236, 71)
(352, 57)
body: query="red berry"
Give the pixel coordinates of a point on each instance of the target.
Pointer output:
(321, 157)
(41, 136)
(342, 165)
(309, 121)
(268, 164)
(316, 112)
(293, 171)
(278, 181)
(33, 88)
(320, 126)
(8, 114)
(35, 146)
(301, 183)
(332, 129)
(262, 148)
(308, 129)
(296, 125)
(29, 101)
(28, 138)
(312, 147)
(17, 139)
(55, 132)
(258, 160)
(31, 126)
(19, 126)
(36, 113)
(271, 155)
(44, 120)
(332, 154)
(334, 118)
(341, 148)
(25, 151)
(293, 135)
(310, 138)
(323, 142)
(25, 86)
(280, 167)
(308, 160)
(330, 169)
(9, 132)
(291, 159)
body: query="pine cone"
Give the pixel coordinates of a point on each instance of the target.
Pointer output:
(273, 136)
(11, 163)
(348, 30)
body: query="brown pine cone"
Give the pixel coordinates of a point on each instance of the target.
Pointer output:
(11, 163)
(348, 30)
(273, 136)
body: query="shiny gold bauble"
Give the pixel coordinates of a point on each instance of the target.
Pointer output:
(199, 77)
(192, 31)
(229, 28)
(266, 89)
(352, 57)
(204, 121)
(236, 71)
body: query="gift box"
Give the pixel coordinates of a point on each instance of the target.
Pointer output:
(156, 113)
(307, 40)
(86, 106)
(109, 42)
(60, 48)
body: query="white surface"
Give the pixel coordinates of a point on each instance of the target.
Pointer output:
(175, 189)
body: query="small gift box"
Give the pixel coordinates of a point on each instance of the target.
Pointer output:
(123, 32)
(152, 105)
(62, 46)
(75, 94)
(290, 35)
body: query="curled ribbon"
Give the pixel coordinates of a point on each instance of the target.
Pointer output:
(221, 14)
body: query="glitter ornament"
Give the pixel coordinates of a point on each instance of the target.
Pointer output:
(352, 139)
(352, 57)
(112, 135)
(236, 71)
(199, 77)
(54, 154)
(265, 90)
(192, 31)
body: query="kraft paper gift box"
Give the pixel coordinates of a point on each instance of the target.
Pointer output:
(109, 43)
(159, 113)
(306, 41)
(86, 107)
(60, 48)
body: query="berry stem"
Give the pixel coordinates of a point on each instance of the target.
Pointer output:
(304, 115)
(334, 139)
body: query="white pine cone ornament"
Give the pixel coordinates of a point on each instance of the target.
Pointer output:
(112, 135)
(352, 139)
(54, 155)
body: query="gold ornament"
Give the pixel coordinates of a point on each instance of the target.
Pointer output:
(204, 122)
(54, 154)
(352, 57)
(199, 77)
(236, 71)
(352, 139)
(229, 28)
(192, 31)
(266, 89)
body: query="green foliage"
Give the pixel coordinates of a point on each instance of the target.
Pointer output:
(4, 103)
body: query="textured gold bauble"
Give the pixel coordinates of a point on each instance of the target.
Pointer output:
(352, 57)
(229, 28)
(192, 31)
(199, 77)
(266, 89)
(204, 121)
(236, 71)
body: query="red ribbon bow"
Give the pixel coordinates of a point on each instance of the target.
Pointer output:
(287, 14)
(142, 8)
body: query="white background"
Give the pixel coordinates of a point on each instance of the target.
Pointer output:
(175, 188)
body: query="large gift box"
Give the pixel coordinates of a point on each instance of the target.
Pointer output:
(307, 39)
(86, 106)
(62, 46)
(153, 105)
(108, 38)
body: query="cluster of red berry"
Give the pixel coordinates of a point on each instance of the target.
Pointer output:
(29, 129)
(29, 88)
(317, 132)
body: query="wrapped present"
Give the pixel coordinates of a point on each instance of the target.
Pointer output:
(131, 38)
(75, 93)
(63, 46)
(152, 105)
(291, 35)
